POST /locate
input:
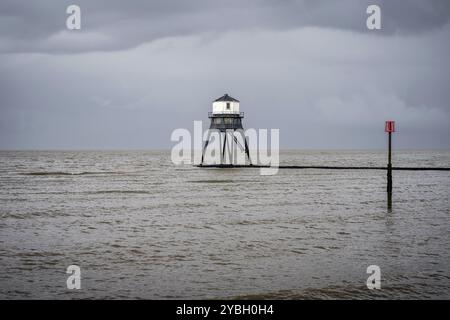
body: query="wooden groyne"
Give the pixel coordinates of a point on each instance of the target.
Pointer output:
(324, 167)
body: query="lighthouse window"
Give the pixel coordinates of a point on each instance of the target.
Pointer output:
(228, 121)
(217, 120)
(228, 106)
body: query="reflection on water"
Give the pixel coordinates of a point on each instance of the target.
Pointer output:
(141, 228)
(389, 201)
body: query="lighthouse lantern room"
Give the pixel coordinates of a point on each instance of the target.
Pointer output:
(226, 105)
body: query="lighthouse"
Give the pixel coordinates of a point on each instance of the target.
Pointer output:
(226, 119)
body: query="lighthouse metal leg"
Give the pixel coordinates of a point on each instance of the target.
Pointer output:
(203, 152)
(247, 151)
(239, 145)
(222, 159)
(231, 148)
(205, 146)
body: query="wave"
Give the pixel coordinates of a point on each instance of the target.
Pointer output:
(213, 181)
(119, 192)
(63, 173)
(342, 292)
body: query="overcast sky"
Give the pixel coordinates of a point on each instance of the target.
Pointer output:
(137, 70)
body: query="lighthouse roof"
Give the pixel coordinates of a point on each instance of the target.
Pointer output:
(226, 97)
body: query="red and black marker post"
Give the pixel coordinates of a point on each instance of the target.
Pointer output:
(389, 128)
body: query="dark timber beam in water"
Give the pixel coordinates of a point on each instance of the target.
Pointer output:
(324, 167)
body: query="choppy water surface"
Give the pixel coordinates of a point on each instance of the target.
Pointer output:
(139, 227)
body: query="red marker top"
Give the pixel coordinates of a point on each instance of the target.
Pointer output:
(389, 126)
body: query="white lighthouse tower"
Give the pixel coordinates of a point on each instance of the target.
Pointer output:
(226, 118)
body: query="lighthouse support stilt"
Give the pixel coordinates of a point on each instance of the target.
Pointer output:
(247, 151)
(222, 156)
(205, 146)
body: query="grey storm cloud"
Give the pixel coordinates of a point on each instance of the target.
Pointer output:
(139, 69)
(38, 26)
